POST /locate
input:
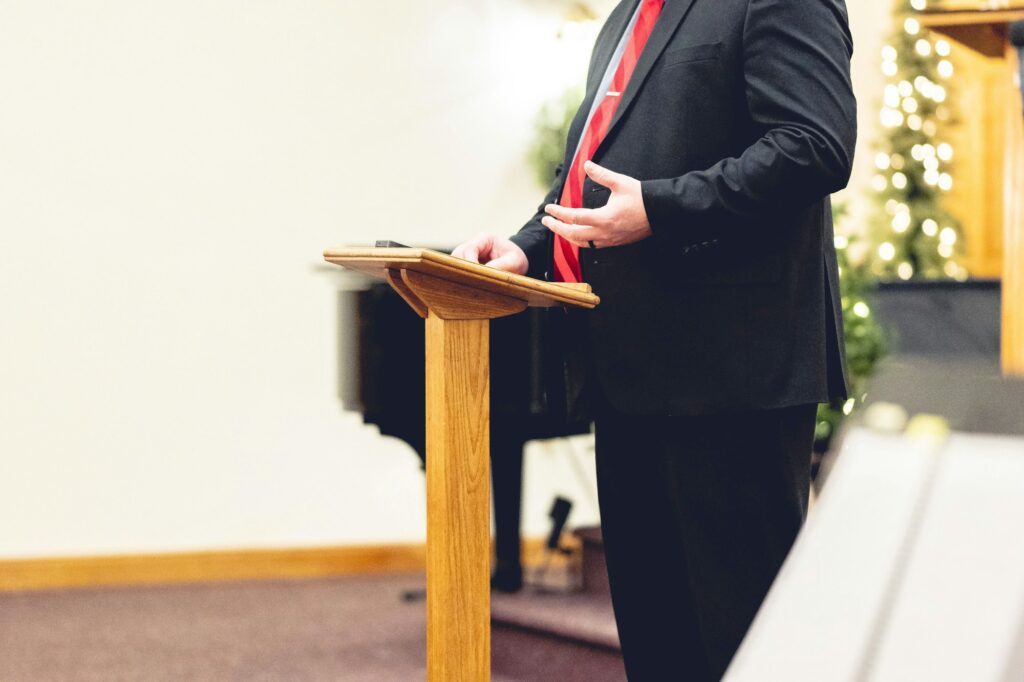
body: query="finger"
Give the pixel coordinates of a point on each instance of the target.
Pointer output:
(577, 234)
(470, 252)
(506, 262)
(572, 216)
(476, 250)
(603, 176)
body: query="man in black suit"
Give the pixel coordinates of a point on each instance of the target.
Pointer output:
(705, 227)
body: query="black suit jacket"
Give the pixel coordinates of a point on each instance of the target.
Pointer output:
(739, 120)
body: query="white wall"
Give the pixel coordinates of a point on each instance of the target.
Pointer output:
(169, 173)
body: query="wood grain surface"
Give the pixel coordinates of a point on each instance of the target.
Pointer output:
(452, 301)
(458, 500)
(987, 33)
(46, 573)
(537, 293)
(1013, 230)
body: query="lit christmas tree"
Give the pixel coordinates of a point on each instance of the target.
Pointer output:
(913, 235)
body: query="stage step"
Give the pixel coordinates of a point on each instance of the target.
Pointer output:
(563, 638)
(542, 637)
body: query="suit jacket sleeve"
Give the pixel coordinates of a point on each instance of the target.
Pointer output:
(533, 238)
(796, 77)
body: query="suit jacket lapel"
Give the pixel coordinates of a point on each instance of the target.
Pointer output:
(671, 16)
(604, 51)
(602, 56)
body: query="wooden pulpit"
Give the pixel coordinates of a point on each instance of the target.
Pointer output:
(458, 299)
(986, 33)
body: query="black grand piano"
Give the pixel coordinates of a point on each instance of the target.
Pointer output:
(385, 337)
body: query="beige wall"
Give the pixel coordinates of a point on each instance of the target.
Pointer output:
(169, 173)
(870, 21)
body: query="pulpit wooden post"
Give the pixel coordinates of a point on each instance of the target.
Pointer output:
(458, 499)
(458, 299)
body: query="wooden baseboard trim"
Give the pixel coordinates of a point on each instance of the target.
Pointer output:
(244, 564)
(192, 567)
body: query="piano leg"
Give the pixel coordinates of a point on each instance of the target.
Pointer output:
(507, 485)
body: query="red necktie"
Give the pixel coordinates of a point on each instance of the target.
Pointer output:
(567, 258)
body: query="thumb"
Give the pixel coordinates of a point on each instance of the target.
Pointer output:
(503, 262)
(602, 175)
(510, 261)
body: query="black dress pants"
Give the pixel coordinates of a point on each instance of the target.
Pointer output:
(698, 514)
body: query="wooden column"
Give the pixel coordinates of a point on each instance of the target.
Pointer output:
(1013, 228)
(458, 500)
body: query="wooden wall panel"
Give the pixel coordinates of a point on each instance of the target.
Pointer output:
(977, 195)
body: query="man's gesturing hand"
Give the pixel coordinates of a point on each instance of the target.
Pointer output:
(623, 220)
(495, 252)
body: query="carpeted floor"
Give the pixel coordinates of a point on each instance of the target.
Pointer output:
(353, 629)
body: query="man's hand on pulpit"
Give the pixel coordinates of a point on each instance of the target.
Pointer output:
(496, 252)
